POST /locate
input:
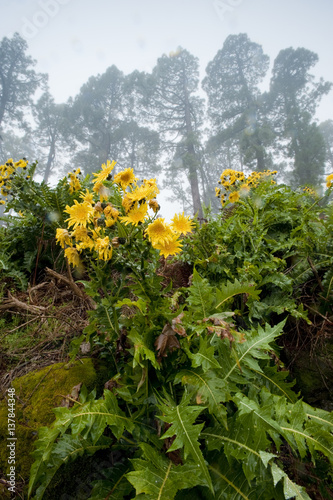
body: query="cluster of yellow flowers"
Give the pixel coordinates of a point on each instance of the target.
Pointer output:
(74, 182)
(90, 222)
(7, 172)
(329, 180)
(310, 191)
(236, 185)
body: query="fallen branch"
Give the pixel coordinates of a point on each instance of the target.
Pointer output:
(74, 287)
(14, 302)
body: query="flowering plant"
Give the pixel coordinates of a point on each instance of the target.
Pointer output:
(113, 213)
(196, 405)
(235, 185)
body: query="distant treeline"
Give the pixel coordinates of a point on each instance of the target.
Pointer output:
(159, 122)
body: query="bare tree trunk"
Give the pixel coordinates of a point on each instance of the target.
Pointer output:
(192, 162)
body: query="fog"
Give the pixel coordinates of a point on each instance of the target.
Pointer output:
(72, 40)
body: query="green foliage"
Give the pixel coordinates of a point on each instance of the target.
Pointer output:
(197, 404)
(220, 408)
(27, 243)
(157, 477)
(275, 239)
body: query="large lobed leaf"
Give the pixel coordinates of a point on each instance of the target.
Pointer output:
(185, 433)
(87, 423)
(249, 352)
(159, 478)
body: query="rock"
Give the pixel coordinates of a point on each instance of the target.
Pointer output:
(38, 393)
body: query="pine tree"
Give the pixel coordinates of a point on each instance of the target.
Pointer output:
(236, 107)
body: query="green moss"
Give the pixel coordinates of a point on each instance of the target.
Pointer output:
(37, 394)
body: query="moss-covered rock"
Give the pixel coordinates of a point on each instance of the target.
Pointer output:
(37, 394)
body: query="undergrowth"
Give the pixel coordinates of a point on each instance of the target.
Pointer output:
(199, 404)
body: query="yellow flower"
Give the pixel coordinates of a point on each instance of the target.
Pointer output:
(125, 178)
(103, 192)
(74, 185)
(21, 163)
(80, 214)
(87, 196)
(233, 197)
(73, 256)
(159, 232)
(244, 190)
(110, 211)
(80, 233)
(63, 238)
(95, 233)
(310, 191)
(154, 205)
(102, 245)
(135, 215)
(127, 202)
(104, 173)
(109, 221)
(152, 188)
(139, 193)
(182, 224)
(147, 191)
(171, 246)
(229, 177)
(329, 180)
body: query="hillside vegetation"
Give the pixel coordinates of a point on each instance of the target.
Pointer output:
(193, 320)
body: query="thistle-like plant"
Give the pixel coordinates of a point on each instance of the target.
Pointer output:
(197, 406)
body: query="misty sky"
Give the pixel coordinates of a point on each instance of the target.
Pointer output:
(74, 39)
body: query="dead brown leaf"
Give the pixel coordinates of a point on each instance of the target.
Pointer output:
(71, 398)
(166, 342)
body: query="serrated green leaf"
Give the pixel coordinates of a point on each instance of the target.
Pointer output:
(201, 297)
(182, 418)
(210, 389)
(87, 423)
(140, 304)
(226, 292)
(274, 380)
(230, 482)
(263, 415)
(93, 417)
(253, 349)
(141, 350)
(243, 441)
(204, 357)
(266, 457)
(316, 415)
(290, 489)
(159, 478)
(66, 449)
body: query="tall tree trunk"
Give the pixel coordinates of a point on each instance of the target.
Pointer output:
(50, 159)
(192, 162)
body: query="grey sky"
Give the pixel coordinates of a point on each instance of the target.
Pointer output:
(74, 39)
